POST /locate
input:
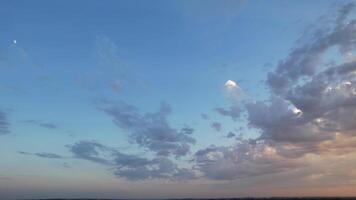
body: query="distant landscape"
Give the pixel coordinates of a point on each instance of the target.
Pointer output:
(244, 198)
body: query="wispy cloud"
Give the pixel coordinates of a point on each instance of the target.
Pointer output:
(216, 126)
(129, 166)
(46, 125)
(151, 130)
(4, 123)
(42, 155)
(311, 109)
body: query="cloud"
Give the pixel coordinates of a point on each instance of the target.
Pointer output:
(151, 130)
(235, 95)
(233, 111)
(43, 124)
(305, 60)
(205, 116)
(4, 123)
(43, 155)
(230, 135)
(187, 130)
(90, 150)
(278, 122)
(136, 168)
(233, 92)
(112, 72)
(128, 166)
(216, 126)
(311, 109)
(230, 84)
(48, 155)
(242, 160)
(312, 104)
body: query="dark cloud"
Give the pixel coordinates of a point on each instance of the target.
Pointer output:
(48, 155)
(305, 60)
(43, 124)
(233, 111)
(187, 130)
(4, 123)
(90, 150)
(151, 130)
(205, 116)
(216, 126)
(242, 160)
(136, 168)
(312, 109)
(311, 102)
(43, 155)
(230, 135)
(24, 153)
(131, 167)
(324, 95)
(278, 122)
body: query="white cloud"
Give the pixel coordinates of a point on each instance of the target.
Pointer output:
(230, 84)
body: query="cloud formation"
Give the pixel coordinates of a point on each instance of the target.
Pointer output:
(151, 130)
(216, 126)
(128, 166)
(312, 102)
(46, 125)
(43, 155)
(312, 109)
(230, 135)
(233, 111)
(90, 150)
(230, 84)
(246, 159)
(4, 123)
(305, 60)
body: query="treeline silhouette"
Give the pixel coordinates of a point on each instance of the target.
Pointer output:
(242, 198)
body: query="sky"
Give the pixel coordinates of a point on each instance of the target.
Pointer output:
(177, 99)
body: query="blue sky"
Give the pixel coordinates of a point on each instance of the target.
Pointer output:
(99, 99)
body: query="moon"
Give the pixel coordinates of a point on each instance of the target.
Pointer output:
(14, 41)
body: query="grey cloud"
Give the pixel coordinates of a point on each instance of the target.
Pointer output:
(304, 61)
(323, 96)
(4, 123)
(329, 98)
(187, 130)
(131, 167)
(242, 160)
(312, 109)
(48, 155)
(233, 111)
(230, 135)
(135, 168)
(294, 151)
(43, 155)
(43, 124)
(151, 130)
(24, 153)
(278, 122)
(49, 125)
(90, 150)
(216, 126)
(205, 116)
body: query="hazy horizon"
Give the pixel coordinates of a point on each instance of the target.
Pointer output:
(177, 99)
